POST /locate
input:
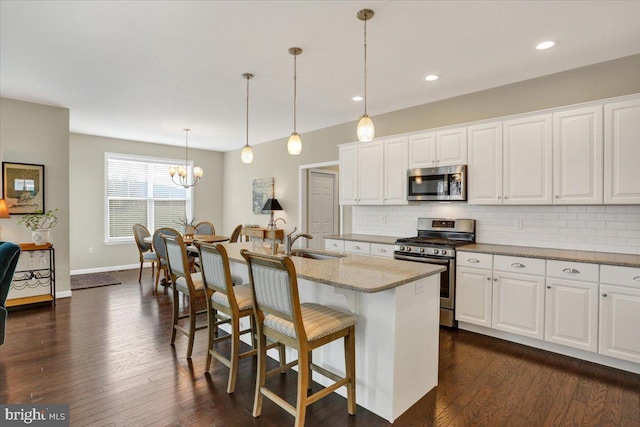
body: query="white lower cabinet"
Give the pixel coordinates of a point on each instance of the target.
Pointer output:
(473, 296)
(360, 248)
(334, 245)
(620, 312)
(571, 314)
(518, 304)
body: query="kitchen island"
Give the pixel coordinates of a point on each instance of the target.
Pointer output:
(397, 304)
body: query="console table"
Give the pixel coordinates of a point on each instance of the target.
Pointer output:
(34, 280)
(263, 233)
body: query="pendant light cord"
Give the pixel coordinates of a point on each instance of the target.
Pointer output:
(295, 92)
(365, 66)
(186, 150)
(247, 142)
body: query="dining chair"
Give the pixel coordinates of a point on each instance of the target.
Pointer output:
(144, 249)
(235, 235)
(205, 227)
(161, 251)
(234, 302)
(281, 318)
(187, 283)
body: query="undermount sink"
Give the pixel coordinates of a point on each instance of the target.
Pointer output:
(307, 253)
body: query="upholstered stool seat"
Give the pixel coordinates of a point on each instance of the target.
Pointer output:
(242, 294)
(318, 320)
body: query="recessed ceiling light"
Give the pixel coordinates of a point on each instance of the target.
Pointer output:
(432, 77)
(357, 98)
(545, 45)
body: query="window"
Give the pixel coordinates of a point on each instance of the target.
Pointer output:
(140, 190)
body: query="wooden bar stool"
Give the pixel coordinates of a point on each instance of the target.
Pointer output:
(304, 327)
(185, 282)
(234, 302)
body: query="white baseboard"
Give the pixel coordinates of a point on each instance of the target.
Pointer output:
(63, 294)
(104, 269)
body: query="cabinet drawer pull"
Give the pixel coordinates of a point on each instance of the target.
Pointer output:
(488, 278)
(335, 245)
(382, 250)
(604, 294)
(356, 248)
(548, 286)
(571, 271)
(518, 265)
(637, 278)
(473, 260)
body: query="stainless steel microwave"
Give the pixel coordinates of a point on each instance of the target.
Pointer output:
(443, 183)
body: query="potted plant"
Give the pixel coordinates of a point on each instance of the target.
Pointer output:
(189, 226)
(40, 224)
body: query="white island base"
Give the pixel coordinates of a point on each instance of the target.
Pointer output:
(396, 341)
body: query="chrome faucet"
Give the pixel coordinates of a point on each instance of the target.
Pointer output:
(289, 240)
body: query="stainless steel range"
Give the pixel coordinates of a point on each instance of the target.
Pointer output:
(436, 243)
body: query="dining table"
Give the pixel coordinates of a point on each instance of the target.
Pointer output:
(206, 238)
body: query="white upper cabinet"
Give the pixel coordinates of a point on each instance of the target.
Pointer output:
(578, 156)
(527, 150)
(396, 160)
(361, 173)
(622, 152)
(422, 150)
(451, 147)
(442, 148)
(485, 164)
(348, 174)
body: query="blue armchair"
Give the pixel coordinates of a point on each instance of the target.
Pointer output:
(9, 254)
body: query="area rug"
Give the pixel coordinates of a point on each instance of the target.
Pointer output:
(93, 280)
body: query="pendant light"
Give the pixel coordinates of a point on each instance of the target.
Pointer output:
(294, 145)
(247, 152)
(365, 130)
(182, 179)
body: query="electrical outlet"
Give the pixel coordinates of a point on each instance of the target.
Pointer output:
(419, 288)
(90, 251)
(517, 224)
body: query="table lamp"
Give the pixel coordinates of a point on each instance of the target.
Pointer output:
(4, 213)
(272, 205)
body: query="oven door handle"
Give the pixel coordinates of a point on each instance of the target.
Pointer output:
(423, 259)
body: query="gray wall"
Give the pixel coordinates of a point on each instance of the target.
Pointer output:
(34, 133)
(87, 188)
(604, 80)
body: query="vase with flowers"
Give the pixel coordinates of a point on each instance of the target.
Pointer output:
(40, 224)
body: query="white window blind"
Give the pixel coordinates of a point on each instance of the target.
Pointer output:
(140, 190)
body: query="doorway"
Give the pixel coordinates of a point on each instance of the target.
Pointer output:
(320, 213)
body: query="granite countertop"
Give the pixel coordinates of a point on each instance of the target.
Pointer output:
(356, 272)
(607, 258)
(385, 240)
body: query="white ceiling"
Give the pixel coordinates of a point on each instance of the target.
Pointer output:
(144, 70)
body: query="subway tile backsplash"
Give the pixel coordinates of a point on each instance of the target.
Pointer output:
(587, 228)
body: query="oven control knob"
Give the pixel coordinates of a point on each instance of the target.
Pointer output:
(436, 251)
(408, 248)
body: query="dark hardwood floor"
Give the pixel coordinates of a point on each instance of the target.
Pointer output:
(106, 353)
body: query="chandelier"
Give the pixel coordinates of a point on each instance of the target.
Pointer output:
(181, 171)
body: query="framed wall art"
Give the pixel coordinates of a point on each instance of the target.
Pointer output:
(262, 191)
(23, 187)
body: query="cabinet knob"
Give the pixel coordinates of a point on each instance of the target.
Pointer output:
(488, 278)
(499, 197)
(557, 197)
(495, 279)
(505, 197)
(604, 294)
(548, 286)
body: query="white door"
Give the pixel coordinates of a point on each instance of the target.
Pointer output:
(473, 296)
(422, 150)
(518, 304)
(527, 161)
(451, 147)
(322, 212)
(348, 174)
(620, 322)
(396, 160)
(571, 314)
(485, 164)
(622, 152)
(578, 156)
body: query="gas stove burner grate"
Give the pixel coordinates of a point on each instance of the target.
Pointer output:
(431, 241)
